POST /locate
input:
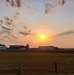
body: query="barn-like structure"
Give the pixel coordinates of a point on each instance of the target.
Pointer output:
(46, 47)
(19, 47)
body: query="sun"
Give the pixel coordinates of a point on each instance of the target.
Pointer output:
(42, 36)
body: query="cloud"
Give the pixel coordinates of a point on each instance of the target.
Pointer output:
(24, 33)
(12, 3)
(25, 27)
(17, 13)
(48, 12)
(8, 32)
(48, 8)
(60, 3)
(6, 18)
(7, 0)
(17, 3)
(63, 2)
(1, 21)
(8, 21)
(69, 32)
(8, 38)
(5, 28)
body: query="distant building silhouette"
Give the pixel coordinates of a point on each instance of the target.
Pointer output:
(46, 47)
(17, 47)
(21, 47)
(3, 47)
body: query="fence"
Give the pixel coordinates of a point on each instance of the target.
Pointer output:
(52, 69)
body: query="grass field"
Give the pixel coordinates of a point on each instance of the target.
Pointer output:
(36, 63)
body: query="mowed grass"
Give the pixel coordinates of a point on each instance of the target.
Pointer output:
(36, 62)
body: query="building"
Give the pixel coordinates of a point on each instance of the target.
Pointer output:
(3, 47)
(46, 47)
(21, 47)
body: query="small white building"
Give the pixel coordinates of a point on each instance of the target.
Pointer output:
(3, 48)
(46, 47)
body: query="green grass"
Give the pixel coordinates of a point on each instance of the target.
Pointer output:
(36, 63)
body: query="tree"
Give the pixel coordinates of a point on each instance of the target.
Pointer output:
(27, 46)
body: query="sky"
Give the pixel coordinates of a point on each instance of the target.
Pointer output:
(24, 24)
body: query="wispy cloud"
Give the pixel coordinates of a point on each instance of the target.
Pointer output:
(69, 32)
(60, 3)
(8, 38)
(8, 24)
(1, 21)
(17, 3)
(6, 27)
(48, 12)
(24, 33)
(49, 6)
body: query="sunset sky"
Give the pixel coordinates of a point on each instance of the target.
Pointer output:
(56, 27)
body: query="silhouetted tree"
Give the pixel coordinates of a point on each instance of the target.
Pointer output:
(27, 46)
(56, 48)
(1, 45)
